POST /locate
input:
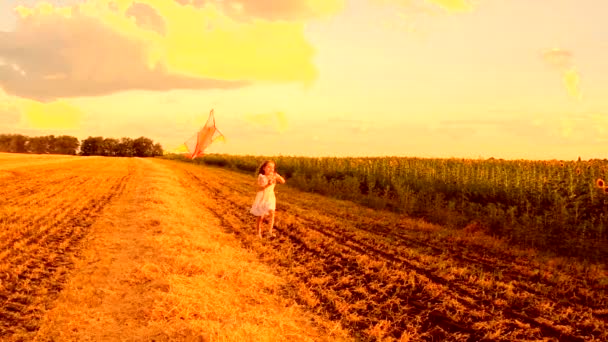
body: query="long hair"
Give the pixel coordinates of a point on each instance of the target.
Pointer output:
(261, 168)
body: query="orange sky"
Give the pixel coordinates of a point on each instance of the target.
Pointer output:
(425, 78)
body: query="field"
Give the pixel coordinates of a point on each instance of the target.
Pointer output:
(555, 206)
(141, 249)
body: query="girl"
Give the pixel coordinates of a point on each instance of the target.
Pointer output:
(265, 200)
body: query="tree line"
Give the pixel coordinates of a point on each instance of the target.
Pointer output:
(91, 146)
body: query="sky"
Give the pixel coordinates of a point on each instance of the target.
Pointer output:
(512, 79)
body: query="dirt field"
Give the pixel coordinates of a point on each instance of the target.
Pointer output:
(142, 249)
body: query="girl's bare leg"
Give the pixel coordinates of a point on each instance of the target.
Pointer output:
(260, 219)
(271, 213)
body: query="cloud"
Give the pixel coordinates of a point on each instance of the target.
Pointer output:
(571, 79)
(584, 128)
(560, 130)
(452, 5)
(275, 120)
(147, 17)
(519, 128)
(430, 6)
(54, 115)
(411, 16)
(54, 55)
(9, 115)
(562, 61)
(558, 58)
(26, 114)
(272, 9)
(456, 131)
(100, 47)
(355, 126)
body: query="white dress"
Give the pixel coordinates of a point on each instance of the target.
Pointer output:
(265, 200)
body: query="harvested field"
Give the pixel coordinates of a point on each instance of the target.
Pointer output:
(158, 249)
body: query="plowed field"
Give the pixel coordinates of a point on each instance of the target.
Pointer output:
(383, 275)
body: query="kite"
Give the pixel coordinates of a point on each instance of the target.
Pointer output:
(195, 146)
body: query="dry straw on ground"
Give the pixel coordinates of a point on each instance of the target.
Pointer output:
(156, 265)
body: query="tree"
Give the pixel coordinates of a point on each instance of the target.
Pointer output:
(65, 145)
(18, 144)
(125, 147)
(13, 143)
(157, 150)
(143, 147)
(38, 145)
(92, 146)
(109, 147)
(5, 142)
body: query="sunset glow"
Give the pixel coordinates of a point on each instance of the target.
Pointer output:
(421, 78)
(54, 115)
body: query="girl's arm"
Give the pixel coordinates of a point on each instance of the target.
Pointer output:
(262, 187)
(263, 183)
(279, 178)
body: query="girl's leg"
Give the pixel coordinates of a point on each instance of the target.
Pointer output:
(271, 213)
(260, 219)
